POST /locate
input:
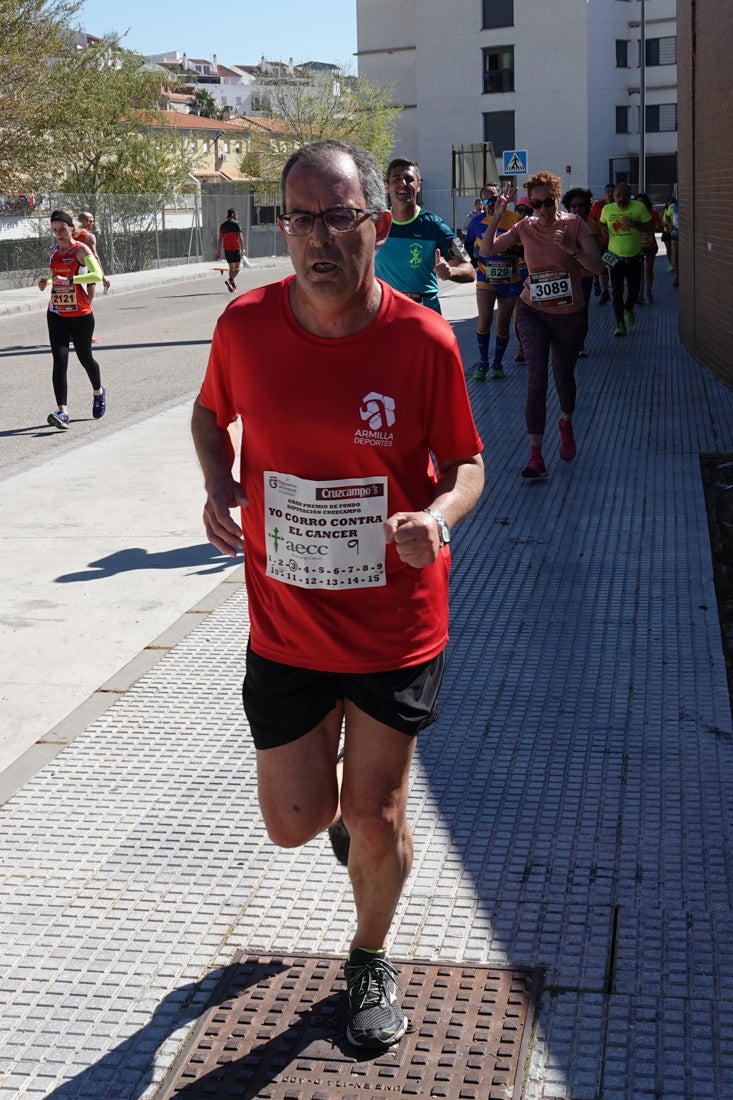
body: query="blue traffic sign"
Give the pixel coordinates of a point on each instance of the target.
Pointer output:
(515, 162)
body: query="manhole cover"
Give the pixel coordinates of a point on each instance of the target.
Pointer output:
(277, 1032)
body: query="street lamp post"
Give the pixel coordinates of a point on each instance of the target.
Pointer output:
(642, 98)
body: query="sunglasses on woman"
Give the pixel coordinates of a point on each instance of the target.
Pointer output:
(537, 203)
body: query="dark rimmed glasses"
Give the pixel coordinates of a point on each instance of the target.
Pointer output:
(338, 219)
(547, 203)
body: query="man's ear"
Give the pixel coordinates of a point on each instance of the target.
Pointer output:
(383, 224)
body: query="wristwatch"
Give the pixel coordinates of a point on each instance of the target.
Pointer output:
(443, 527)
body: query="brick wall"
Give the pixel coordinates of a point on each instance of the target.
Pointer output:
(705, 125)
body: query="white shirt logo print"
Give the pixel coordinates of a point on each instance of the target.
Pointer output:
(378, 411)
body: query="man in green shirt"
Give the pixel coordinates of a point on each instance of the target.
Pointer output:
(622, 222)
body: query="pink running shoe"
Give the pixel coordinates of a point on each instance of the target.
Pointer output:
(568, 449)
(535, 467)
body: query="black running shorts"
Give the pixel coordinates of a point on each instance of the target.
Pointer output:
(232, 255)
(282, 702)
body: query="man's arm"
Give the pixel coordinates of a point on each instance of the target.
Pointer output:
(470, 242)
(91, 237)
(215, 452)
(416, 535)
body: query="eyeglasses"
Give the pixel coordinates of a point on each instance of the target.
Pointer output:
(491, 201)
(339, 219)
(537, 203)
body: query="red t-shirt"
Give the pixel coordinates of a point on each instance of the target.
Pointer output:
(72, 300)
(336, 436)
(230, 234)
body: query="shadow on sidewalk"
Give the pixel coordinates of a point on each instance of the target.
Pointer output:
(203, 559)
(137, 1053)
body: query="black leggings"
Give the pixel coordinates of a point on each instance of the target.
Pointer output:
(628, 269)
(542, 335)
(61, 330)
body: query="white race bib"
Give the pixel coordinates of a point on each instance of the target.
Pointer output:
(553, 287)
(499, 271)
(63, 298)
(325, 534)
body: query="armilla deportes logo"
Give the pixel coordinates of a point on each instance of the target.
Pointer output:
(379, 413)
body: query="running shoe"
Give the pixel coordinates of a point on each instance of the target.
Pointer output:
(479, 374)
(629, 318)
(58, 419)
(535, 468)
(620, 329)
(99, 404)
(605, 297)
(338, 834)
(568, 449)
(519, 358)
(375, 1018)
(497, 371)
(229, 285)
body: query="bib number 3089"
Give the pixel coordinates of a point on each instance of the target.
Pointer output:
(551, 287)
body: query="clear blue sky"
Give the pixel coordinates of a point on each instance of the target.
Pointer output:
(237, 32)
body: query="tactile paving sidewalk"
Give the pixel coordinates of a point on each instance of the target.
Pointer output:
(572, 807)
(276, 1032)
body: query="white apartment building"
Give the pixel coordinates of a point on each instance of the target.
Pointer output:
(569, 81)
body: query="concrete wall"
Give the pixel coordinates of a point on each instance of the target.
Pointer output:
(705, 47)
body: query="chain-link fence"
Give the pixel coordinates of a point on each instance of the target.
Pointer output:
(136, 232)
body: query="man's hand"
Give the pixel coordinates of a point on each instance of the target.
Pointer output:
(415, 536)
(221, 530)
(442, 267)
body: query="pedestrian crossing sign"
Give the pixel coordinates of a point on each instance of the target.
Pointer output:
(515, 162)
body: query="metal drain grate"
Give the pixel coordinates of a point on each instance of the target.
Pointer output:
(277, 1032)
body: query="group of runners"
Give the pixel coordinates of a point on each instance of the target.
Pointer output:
(541, 265)
(75, 269)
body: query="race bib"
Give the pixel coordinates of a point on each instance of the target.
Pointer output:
(552, 287)
(325, 534)
(63, 298)
(499, 271)
(610, 258)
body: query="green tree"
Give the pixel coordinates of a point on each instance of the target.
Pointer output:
(33, 34)
(205, 105)
(117, 146)
(316, 106)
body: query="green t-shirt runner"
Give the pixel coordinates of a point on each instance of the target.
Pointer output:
(624, 240)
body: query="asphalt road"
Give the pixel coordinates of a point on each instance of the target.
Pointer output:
(152, 350)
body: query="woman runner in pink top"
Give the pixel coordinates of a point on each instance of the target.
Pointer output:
(550, 313)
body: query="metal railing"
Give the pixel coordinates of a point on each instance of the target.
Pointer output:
(135, 232)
